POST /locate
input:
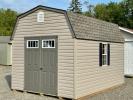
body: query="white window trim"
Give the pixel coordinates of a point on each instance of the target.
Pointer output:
(48, 40)
(32, 47)
(105, 54)
(38, 19)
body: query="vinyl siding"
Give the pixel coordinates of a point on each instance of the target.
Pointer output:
(54, 24)
(89, 76)
(127, 36)
(128, 62)
(5, 54)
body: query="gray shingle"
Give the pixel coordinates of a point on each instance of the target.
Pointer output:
(94, 29)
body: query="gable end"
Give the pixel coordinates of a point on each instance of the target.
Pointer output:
(43, 8)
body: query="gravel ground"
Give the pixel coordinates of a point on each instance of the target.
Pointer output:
(124, 92)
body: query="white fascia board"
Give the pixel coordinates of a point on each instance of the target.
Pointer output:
(125, 30)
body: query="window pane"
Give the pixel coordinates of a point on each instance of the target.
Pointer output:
(53, 43)
(44, 43)
(32, 44)
(28, 43)
(36, 44)
(48, 44)
(103, 49)
(104, 59)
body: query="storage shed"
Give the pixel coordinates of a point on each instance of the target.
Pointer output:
(5, 50)
(128, 51)
(65, 54)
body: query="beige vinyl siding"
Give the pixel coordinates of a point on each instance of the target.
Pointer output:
(89, 76)
(54, 24)
(5, 54)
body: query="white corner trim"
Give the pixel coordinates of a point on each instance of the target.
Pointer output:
(125, 30)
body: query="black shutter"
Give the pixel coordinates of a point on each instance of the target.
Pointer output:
(108, 55)
(100, 54)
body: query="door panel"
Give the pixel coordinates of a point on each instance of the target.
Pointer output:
(32, 64)
(128, 58)
(49, 67)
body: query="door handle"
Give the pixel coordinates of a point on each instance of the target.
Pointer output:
(41, 68)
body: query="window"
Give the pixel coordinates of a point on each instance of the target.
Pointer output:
(40, 17)
(48, 43)
(104, 54)
(32, 44)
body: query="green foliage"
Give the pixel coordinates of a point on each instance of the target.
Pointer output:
(101, 12)
(119, 13)
(111, 12)
(7, 21)
(127, 5)
(90, 8)
(75, 6)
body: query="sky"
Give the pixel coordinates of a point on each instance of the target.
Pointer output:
(24, 5)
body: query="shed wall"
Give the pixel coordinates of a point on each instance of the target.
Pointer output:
(5, 54)
(89, 76)
(128, 52)
(54, 24)
(127, 36)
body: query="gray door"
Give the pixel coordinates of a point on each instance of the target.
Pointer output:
(49, 63)
(41, 64)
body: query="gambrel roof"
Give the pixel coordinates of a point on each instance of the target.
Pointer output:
(83, 27)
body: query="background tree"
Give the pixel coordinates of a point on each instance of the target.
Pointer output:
(100, 12)
(111, 12)
(90, 9)
(75, 6)
(7, 21)
(127, 5)
(119, 13)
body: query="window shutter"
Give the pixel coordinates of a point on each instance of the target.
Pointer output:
(108, 54)
(100, 54)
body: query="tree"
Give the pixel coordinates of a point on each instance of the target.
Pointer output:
(90, 9)
(115, 13)
(7, 21)
(119, 13)
(127, 5)
(75, 6)
(100, 11)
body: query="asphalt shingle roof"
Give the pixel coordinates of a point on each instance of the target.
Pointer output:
(94, 29)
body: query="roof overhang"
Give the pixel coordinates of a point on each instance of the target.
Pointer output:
(126, 30)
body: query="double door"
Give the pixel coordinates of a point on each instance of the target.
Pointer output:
(41, 64)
